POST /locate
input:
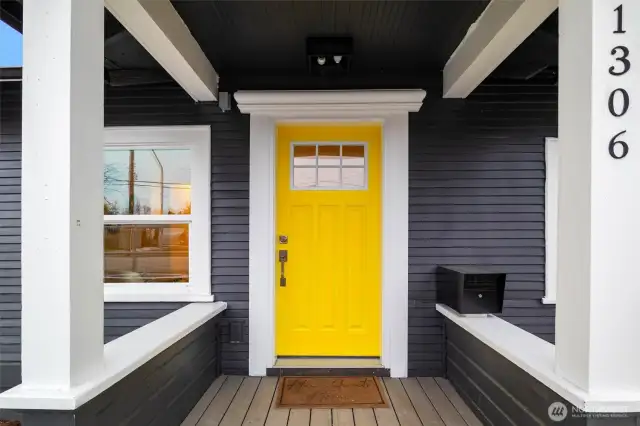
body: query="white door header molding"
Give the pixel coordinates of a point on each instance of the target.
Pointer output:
(316, 104)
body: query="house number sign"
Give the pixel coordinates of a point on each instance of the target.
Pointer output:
(619, 99)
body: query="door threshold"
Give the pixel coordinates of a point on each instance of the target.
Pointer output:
(327, 362)
(327, 366)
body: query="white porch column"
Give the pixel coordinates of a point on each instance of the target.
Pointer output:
(62, 283)
(597, 333)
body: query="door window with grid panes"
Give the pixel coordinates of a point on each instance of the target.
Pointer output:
(329, 166)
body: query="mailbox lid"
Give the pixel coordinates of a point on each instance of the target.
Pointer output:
(472, 269)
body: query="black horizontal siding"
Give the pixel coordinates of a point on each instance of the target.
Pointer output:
(10, 155)
(501, 393)
(476, 196)
(230, 237)
(476, 188)
(170, 105)
(161, 392)
(166, 105)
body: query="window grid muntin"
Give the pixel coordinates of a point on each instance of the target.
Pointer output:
(317, 166)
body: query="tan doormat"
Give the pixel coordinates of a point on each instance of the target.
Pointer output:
(330, 392)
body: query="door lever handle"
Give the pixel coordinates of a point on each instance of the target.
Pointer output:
(283, 256)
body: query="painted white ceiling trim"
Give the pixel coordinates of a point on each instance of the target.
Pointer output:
(329, 103)
(161, 31)
(499, 30)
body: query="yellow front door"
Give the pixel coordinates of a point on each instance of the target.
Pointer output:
(328, 296)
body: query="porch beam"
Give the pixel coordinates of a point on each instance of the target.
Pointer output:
(499, 30)
(161, 31)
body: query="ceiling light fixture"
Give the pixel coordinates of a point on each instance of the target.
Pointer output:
(329, 56)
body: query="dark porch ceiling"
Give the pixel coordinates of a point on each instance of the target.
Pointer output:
(11, 13)
(399, 36)
(263, 41)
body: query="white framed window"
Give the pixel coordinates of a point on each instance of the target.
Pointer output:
(552, 168)
(157, 214)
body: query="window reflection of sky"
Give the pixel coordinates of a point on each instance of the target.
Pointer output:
(10, 46)
(169, 175)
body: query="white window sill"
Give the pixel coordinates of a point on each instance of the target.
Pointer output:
(548, 300)
(157, 297)
(121, 357)
(158, 292)
(537, 357)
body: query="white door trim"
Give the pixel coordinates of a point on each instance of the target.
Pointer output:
(270, 108)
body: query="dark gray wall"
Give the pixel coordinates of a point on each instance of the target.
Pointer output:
(501, 393)
(476, 188)
(10, 116)
(230, 170)
(477, 196)
(160, 393)
(229, 205)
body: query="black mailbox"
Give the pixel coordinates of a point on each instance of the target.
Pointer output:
(471, 289)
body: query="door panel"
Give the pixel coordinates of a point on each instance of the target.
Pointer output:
(328, 205)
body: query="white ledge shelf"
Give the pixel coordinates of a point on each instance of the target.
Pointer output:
(537, 357)
(121, 357)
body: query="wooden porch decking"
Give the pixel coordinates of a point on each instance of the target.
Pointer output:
(240, 401)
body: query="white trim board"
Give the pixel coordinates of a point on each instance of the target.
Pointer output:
(551, 198)
(121, 357)
(537, 357)
(268, 109)
(146, 292)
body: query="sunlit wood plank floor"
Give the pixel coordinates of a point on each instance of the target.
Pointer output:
(240, 401)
